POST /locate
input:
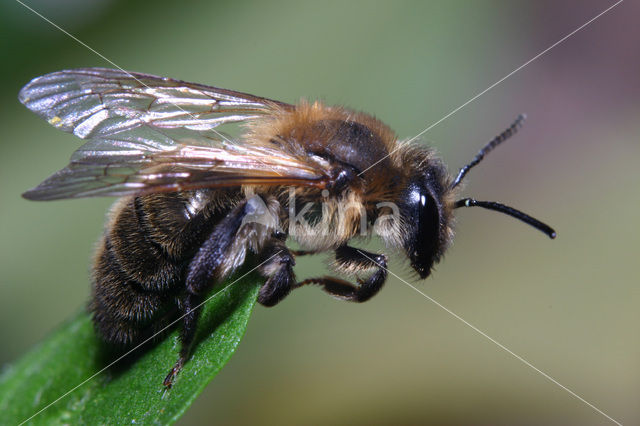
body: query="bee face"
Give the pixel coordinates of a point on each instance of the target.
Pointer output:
(426, 208)
(422, 212)
(191, 193)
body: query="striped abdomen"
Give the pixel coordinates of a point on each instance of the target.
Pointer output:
(140, 264)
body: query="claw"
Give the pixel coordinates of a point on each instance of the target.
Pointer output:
(168, 381)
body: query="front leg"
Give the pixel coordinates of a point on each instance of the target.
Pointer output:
(281, 278)
(303, 252)
(352, 260)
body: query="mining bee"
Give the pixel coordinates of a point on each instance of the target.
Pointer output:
(196, 203)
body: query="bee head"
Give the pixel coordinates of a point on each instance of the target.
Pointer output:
(426, 215)
(428, 204)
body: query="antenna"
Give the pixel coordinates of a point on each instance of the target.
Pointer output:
(492, 205)
(510, 131)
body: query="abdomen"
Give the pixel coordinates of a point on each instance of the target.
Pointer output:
(140, 264)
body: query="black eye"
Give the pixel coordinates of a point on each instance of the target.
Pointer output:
(422, 216)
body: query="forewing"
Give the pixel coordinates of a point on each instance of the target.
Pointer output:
(119, 168)
(149, 134)
(100, 102)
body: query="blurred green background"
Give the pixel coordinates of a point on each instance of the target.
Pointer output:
(569, 306)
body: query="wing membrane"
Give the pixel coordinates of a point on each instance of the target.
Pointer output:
(148, 134)
(108, 168)
(99, 102)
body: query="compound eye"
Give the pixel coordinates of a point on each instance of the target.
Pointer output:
(423, 243)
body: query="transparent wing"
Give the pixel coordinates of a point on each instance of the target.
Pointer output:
(100, 102)
(150, 134)
(109, 167)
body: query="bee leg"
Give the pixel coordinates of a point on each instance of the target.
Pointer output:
(302, 252)
(190, 305)
(279, 273)
(353, 260)
(201, 276)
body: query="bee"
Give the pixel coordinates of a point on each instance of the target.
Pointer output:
(196, 203)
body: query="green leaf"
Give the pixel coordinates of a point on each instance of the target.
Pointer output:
(131, 391)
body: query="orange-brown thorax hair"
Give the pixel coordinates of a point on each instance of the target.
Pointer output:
(314, 129)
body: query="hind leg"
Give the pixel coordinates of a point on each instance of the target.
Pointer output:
(202, 274)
